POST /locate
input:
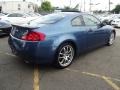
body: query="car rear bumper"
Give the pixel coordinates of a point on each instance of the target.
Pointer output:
(34, 52)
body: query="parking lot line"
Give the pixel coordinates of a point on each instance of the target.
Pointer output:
(111, 83)
(107, 79)
(36, 78)
(100, 76)
(91, 74)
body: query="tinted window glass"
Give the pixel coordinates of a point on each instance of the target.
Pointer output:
(77, 21)
(19, 15)
(48, 19)
(12, 15)
(90, 20)
(15, 15)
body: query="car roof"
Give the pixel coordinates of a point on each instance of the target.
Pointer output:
(71, 13)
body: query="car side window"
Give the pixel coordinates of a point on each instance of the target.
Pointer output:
(19, 15)
(77, 21)
(12, 15)
(90, 20)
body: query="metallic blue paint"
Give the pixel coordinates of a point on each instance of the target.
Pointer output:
(44, 51)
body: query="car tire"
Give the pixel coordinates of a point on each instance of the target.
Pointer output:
(64, 55)
(111, 39)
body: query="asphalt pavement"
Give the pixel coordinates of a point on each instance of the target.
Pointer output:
(96, 70)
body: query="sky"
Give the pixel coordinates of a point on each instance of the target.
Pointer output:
(103, 4)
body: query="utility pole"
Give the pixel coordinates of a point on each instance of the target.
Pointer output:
(90, 7)
(70, 3)
(84, 5)
(109, 5)
(81, 5)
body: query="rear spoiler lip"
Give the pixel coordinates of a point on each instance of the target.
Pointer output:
(25, 26)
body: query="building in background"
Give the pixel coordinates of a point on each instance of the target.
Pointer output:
(17, 6)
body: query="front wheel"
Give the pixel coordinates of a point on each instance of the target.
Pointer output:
(65, 55)
(111, 39)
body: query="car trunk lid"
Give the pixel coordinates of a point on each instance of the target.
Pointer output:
(19, 31)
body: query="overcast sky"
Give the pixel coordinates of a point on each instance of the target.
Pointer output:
(103, 4)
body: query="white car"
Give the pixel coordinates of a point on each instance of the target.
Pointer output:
(109, 18)
(116, 22)
(18, 18)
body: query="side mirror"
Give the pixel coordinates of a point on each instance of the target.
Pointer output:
(106, 22)
(103, 23)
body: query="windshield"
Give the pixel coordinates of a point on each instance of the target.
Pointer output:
(48, 19)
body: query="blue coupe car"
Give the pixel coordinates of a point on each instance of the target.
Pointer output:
(59, 37)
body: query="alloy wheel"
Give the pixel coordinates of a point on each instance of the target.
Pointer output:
(66, 55)
(111, 39)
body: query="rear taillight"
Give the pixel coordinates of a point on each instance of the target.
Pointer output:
(34, 36)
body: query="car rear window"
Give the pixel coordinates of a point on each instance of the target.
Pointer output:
(48, 19)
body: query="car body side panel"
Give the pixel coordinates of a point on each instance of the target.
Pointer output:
(96, 36)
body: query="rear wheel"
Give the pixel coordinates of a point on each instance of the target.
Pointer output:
(65, 55)
(111, 39)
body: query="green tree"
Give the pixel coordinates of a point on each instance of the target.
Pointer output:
(46, 7)
(116, 9)
(67, 8)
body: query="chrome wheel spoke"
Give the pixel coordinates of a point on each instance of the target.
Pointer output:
(61, 53)
(69, 51)
(61, 57)
(62, 61)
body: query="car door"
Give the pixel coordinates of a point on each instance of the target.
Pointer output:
(79, 32)
(95, 34)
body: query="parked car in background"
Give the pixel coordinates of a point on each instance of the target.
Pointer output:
(116, 22)
(34, 14)
(109, 18)
(5, 27)
(57, 38)
(1, 14)
(18, 18)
